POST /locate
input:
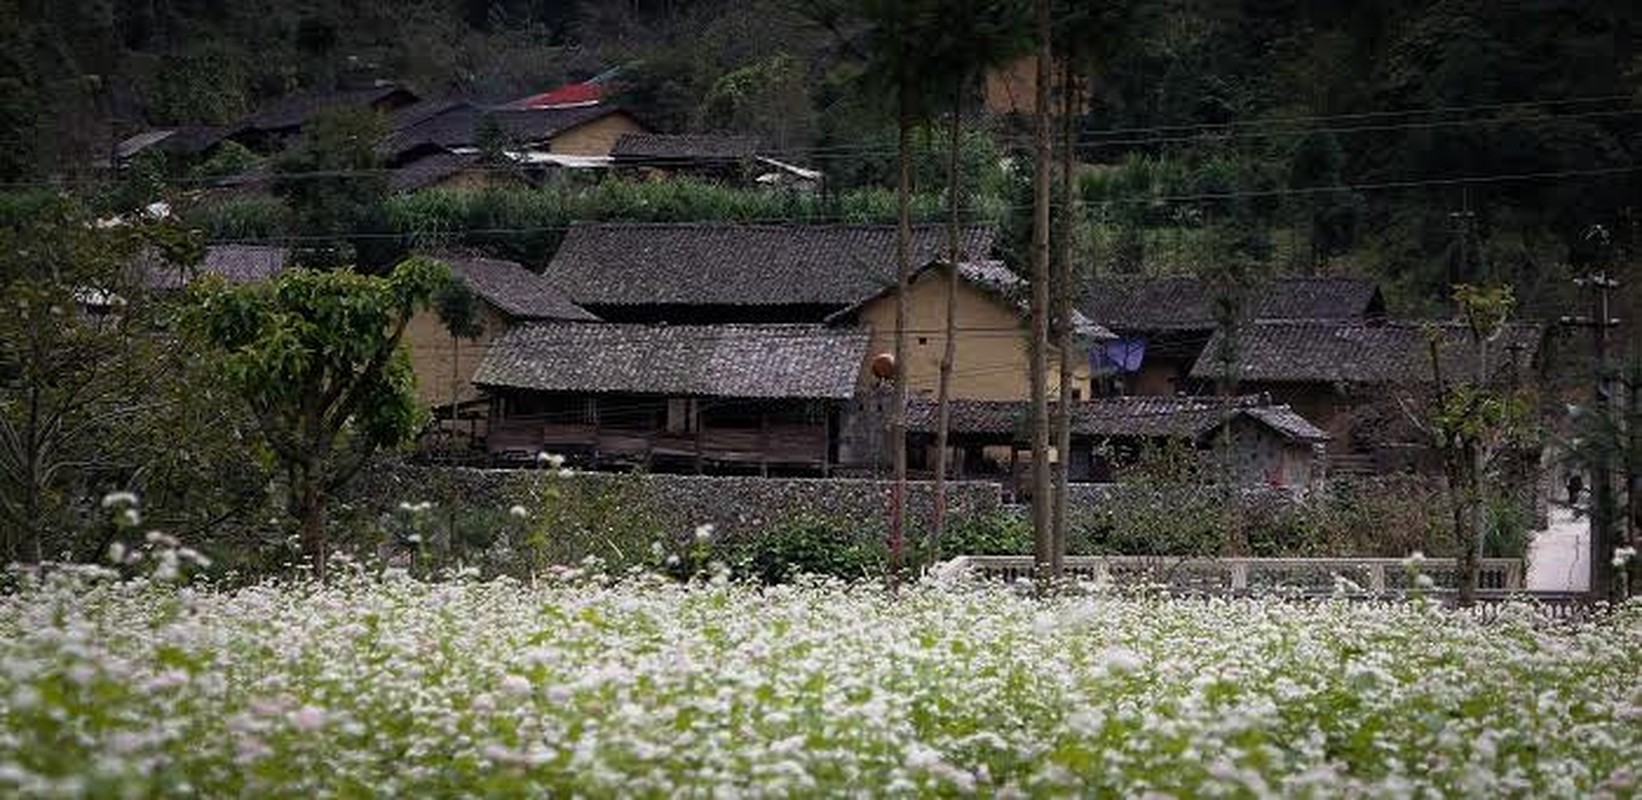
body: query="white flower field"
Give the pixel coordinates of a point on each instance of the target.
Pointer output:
(395, 687)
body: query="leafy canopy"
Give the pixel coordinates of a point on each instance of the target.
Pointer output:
(313, 352)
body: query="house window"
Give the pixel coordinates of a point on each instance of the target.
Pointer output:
(1077, 394)
(923, 340)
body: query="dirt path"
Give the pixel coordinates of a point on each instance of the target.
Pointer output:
(1559, 556)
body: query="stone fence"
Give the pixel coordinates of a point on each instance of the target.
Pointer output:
(735, 505)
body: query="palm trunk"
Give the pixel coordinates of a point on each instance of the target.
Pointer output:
(1042, 532)
(1063, 320)
(949, 348)
(903, 264)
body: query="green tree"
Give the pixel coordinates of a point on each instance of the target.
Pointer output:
(316, 358)
(1474, 420)
(770, 99)
(1328, 214)
(335, 186)
(78, 360)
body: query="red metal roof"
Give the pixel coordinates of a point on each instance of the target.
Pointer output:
(567, 95)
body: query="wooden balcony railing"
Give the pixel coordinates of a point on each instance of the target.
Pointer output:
(775, 443)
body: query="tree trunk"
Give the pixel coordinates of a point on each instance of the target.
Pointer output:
(455, 394)
(903, 265)
(1042, 532)
(309, 498)
(1633, 474)
(30, 551)
(1468, 529)
(949, 348)
(1064, 291)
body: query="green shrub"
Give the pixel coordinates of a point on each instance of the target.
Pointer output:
(808, 545)
(996, 534)
(612, 521)
(249, 217)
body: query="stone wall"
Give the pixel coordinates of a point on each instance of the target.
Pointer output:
(736, 506)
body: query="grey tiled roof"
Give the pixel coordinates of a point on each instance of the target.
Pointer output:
(453, 125)
(236, 263)
(541, 124)
(186, 141)
(419, 112)
(1138, 417)
(459, 125)
(739, 265)
(999, 279)
(1311, 351)
(514, 290)
(430, 170)
(754, 361)
(1186, 303)
(293, 111)
(663, 148)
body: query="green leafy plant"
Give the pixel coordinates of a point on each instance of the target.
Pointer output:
(316, 358)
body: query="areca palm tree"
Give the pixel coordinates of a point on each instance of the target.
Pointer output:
(889, 37)
(1085, 34)
(975, 35)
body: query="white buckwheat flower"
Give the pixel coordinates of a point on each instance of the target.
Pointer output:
(308, 718)
(517, 685)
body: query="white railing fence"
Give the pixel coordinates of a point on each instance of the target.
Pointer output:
(1375, 577)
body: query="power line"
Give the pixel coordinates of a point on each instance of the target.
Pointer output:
(1088, 138)
(1468, 180)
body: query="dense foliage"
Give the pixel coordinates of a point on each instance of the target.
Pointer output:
(648, 688)
(95, 394)
(316, 359)
(1328, 135)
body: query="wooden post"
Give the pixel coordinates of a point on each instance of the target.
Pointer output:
(598, 426)
(826, 439)
(1014, 483)
(763, 442)
(695, 417)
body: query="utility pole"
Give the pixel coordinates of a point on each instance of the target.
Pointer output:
(1600, 321)
(1462, 219)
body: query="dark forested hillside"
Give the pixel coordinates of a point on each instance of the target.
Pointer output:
(1386, 138)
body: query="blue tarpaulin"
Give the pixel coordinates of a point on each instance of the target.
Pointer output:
(1118, 355)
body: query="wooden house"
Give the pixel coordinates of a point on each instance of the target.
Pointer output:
(1164, 324)
(509, 295)
(732, 398)
(1270, 444)
(992, 329)
(1359, 380)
